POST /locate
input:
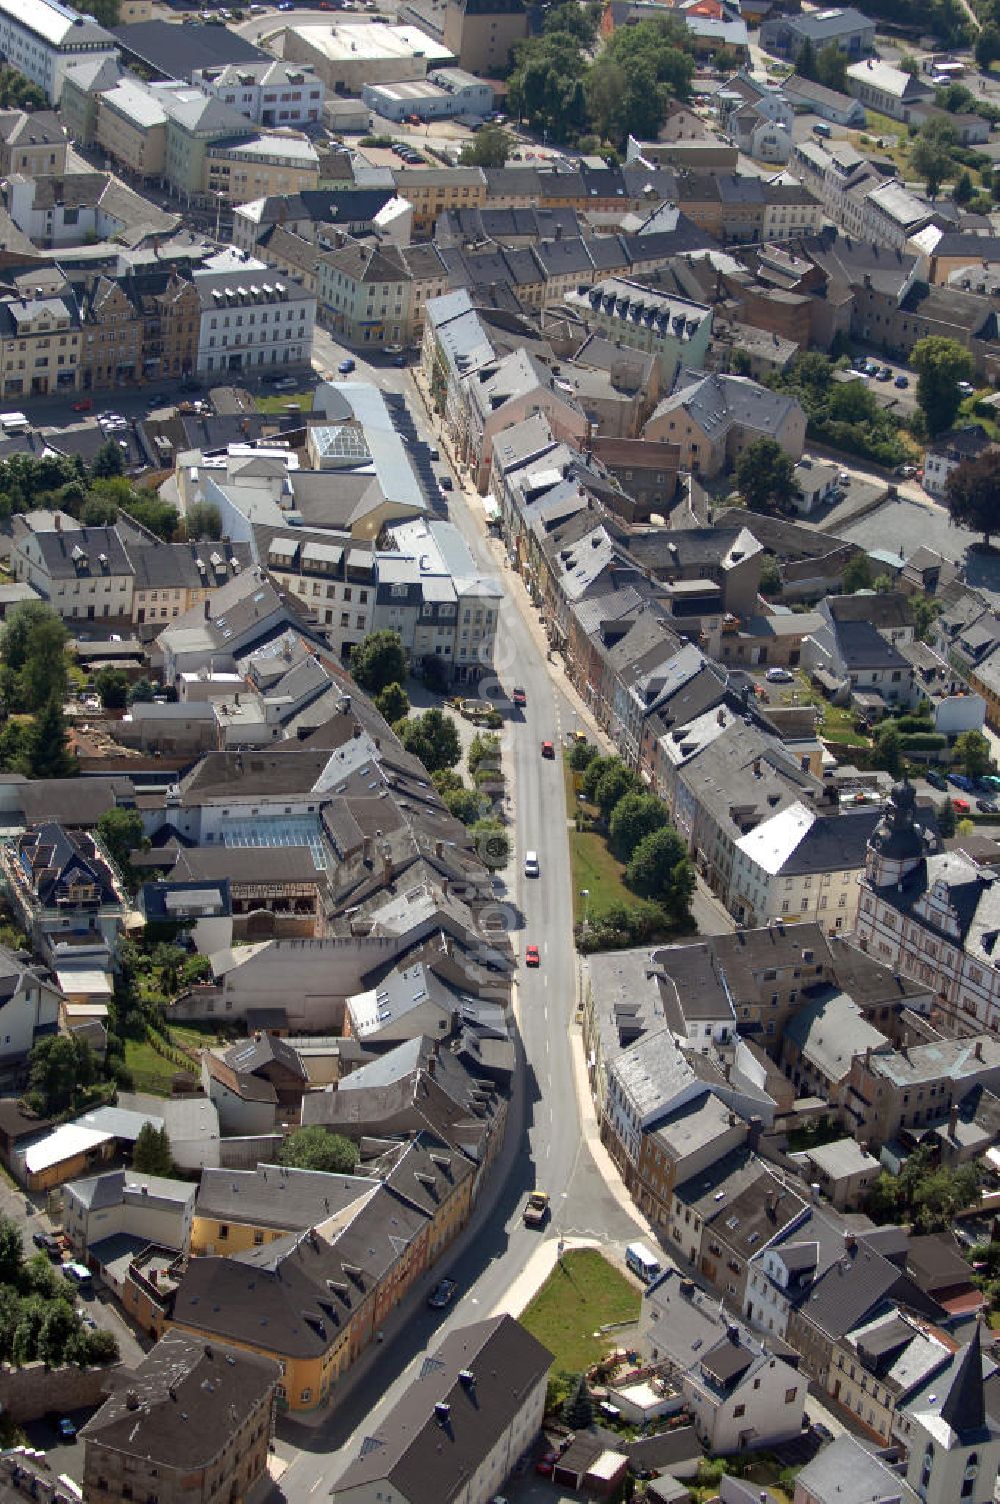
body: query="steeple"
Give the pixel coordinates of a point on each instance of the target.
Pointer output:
(964, 1406)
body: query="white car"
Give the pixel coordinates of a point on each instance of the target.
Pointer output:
(778, 676)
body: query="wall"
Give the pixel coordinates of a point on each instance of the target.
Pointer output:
(28, 1393)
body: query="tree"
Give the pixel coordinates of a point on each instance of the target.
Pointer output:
(578, 1411)
(33, 649)
(831, 67)
(634, 817)
(141, 692)
(925, 614)
(908, 64)
(152, 1154)
(932, 153)
(378, 661)
(857, 574)
(973, 750)
(104, 12)
(484, 747)
(661, 869)
(203, 521)
(545, 86)
(98, 511)
(963, 189)
(108, 461)
(582, 756)
(160, 517)
(972, 494)
(575, 19)
(433, 737)
(883, 584)
(492, 844)
(314, 1149)
(120, 832)
(889, 747)
(11, 1251)
(805, 63)
(465, 804)
(490, 147)
(946, 819)
(987, 48)
(393, 703)
(770, 576)
(18, 93)
(614, 783)
(434, 671)
(739, 362)
(111, 687)
(48, 744)
(59, 1066)
(765, 477)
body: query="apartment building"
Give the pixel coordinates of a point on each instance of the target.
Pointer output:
(714, 418)
(84, 572)
(481, 33)
(65, 896)
(149, 1208)
(40, 345)
(250, 319)
(434, 190)
(675, 329)
(267, 163)
(364, 293)
(193, 1424)
(271, 94)
(803, 863)
(41, 38)
(32, 142)
(923, 912)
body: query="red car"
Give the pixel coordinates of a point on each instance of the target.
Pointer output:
(531, 956)
(961, 806)
(519, 697)
(548, 750)
(545, 1464)
(83, 406)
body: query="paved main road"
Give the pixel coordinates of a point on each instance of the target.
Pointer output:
(544, 1144)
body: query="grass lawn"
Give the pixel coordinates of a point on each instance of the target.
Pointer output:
(582, 1294)
(194, 1037)
(837, 722)
(152, 1073)
(278, 401)
(594, 868)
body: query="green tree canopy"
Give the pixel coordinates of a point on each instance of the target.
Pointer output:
(660, 869)
(492, 843)
(313, 1148)
(831, 67)
(582, 756)
(33, 650)
(765, 477)
(141, 692)
(490, 147)
(378, 661)
(467, 805)
(973, 751)
(484, 747)
(946, 820)
(857, 574)
(635, 816)
(580, 21)
(120, 832)
(108, 461)
(59, 1067)
(19, 93)
(932, 155)
(770, 576)
(111, 687)
(433, 737)
(393, 703)
(972, 494)
(203, 521)
(614, 783)
(48, 744)
(152, 1154)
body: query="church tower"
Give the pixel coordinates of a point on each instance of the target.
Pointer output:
(897, 843)
(954, 1446)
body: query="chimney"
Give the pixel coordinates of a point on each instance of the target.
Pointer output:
(439, 849)
(756, 1128)
(432, 1065)
(57, 523)
(953, 1120)
(366, 849)
(850, 1242)
(388, 867)
(208, 610)
(978, 1051)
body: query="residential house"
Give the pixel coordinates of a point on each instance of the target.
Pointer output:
(65, 897)
(40, 344)
(845, 1460)
(741, 1394)
(803, 862)
(676, 329)
(484, 1389)
(714, 418)
(29, 1010)
(364, 293)
(949, 450)
(248, 324)
(844, 1171)
(32, 142)
(881, 1364)
(85, 573)
(501, 393)
(195, 1420)
(127, 1203)
(236, 1210)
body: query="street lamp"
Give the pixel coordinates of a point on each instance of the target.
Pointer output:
(585, 895)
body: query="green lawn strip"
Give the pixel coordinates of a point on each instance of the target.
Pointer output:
(151, 1071)
(583, 1293)
(278, 402)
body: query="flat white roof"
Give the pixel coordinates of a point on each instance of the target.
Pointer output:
(89, 983)
(351, 41)
(62, 1144)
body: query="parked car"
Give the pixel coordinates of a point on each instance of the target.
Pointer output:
(531, 956)
(961, 806)
(519, 697)
(435, 452)
(779, 676)
(885, 374)
(446, 483)
(960, 782)
(902, 382)
(442, 1294)
(66, 1429)
(936, 780)
(346, 367)
(545, 1464)
(966, 388)
(988, 806)
(548, 750)
(83, 406)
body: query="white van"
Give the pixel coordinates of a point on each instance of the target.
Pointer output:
(642, 1263)
(531, 867)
